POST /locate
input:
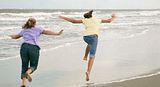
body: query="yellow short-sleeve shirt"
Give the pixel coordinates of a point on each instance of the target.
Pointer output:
(91, 25)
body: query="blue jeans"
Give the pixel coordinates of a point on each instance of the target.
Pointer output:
(92, 41)
(29, 55)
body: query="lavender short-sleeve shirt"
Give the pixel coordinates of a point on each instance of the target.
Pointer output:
(31, 35)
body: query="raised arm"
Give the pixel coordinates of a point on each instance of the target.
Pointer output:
(70, 19)
(16, 36)
(48, 32)
(109, 20)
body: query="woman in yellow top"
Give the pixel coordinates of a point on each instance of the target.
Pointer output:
(91, 35)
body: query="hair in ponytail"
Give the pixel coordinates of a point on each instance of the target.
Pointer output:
(31, 22)
(88, 14)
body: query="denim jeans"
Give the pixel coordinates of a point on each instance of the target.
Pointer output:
(29, 55)
(92, 41)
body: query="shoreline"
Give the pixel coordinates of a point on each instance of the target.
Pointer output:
(151, 80)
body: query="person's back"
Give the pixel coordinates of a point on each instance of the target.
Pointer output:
(31, 35)
(91, 25)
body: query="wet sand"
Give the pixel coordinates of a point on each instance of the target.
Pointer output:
(152, 81)
(115, 59)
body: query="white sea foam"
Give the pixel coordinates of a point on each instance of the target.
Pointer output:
(5, 28)
(57, 12)
(8, 58)
(60, 46)
(149, 13)
(73, 15)
(132, 23)
(34, 14)
(135, 34)
(43, 50)
(26, 14)
(22, 18)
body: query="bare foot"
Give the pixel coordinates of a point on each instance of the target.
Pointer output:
(24, 82)
(23, 86)
(87, 76)
(28, 76)
(85, 58)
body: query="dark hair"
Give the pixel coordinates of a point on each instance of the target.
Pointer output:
(88, 14)
(31, 22)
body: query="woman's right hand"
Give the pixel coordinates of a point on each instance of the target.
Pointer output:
(60, 16)
(60, 32)
(15, 36)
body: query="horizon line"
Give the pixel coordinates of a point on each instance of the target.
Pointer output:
(84, 8)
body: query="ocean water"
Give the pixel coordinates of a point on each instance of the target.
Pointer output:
(129, 24)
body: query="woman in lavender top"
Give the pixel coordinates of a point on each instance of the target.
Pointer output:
(29, 51)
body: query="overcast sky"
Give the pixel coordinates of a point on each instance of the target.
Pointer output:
(81, 4)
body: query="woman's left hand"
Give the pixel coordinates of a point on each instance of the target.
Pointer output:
(113, 16)
(60, 32)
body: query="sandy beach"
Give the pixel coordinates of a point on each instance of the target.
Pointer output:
(147, 43)
(116, 59)
(151, 81)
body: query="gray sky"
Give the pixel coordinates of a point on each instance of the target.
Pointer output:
(81, 4)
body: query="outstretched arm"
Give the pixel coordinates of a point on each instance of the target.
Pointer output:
(70, 19)
(48, 32)
(109, 20)
(17, 36)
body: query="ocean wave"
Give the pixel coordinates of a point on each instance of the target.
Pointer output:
(135, 34)
(59, 46)
(8, 58)
(21, 18)
(25, 14)
(132, 23)
(74, 15)
(4, 37)
(5, 28)
(11, 19)
(34, 14)
(149, 13)
(123, 33)
(127, 14)
(57, 12)
(138, 14)
(44, 50)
